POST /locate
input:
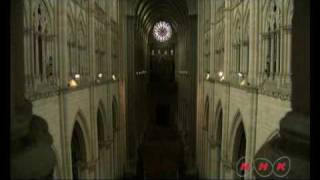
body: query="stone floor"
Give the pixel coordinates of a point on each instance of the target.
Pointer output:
(162, 153)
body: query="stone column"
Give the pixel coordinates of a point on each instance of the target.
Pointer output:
(294, 139)
(199, 87)
(227, 40)
(31, 156)
(63, 66)
(92, 77)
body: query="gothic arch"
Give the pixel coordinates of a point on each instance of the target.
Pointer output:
(71, 29)
(79, 151)
(218, 122)
(288, 9)
(246, 26)
(238, 141)
(27, 14)
(46, 7)
(115, 112)
(82, 124)
(271, 14)
(237, 28)
(103, 135)
(102, 121)
(206, 113)
(218, 136)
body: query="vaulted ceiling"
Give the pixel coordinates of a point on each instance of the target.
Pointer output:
(149, 12)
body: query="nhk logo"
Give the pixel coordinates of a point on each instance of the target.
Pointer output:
(263, 167)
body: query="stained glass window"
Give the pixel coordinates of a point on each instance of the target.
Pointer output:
(162, 31)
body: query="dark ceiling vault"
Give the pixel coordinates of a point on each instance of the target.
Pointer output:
(149, 12)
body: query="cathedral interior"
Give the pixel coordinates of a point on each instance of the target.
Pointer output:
(120, 89)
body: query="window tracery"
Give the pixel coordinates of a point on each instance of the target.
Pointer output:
(39, 43)
(162, 31)
(276, 43)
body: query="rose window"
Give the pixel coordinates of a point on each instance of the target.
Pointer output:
(162, 31)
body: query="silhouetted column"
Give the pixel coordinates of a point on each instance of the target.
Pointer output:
(294, 139)
(31, 156)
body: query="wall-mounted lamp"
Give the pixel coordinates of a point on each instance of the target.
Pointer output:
(221, 76)
(141, 72)
(72, 83)
(77, 76)
(99, 77)
(207, 76)
(114, 77)
(243, 82)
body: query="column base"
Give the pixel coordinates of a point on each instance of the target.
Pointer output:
(293, 142)
(31, 155)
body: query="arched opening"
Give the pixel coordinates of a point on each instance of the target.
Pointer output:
(78, 152)
(114, 113)
(116, 148)
(101, 144)
(239, 150)
(219, 118)
(206, 113)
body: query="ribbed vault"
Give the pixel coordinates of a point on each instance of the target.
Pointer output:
(149, 12)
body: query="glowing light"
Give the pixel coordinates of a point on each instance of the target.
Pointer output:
(162, 31)
(73, 83)
(240, 74)
(220, 74)
(208, 76)
(114, 77)
(100, 75)
(222, 78)
(243, 82)
(77, 76)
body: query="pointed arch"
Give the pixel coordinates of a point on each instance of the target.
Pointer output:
(246, 25)
(43, 8)
(80, 145)
(237, 27)
(82, 124)
(206, 113)
(288, 11)
(102, 126)
(218, 122)
(115, 113)
(83, 22)
(217, 136)
(236, 123)
(78, 151)
(238, 141)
